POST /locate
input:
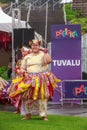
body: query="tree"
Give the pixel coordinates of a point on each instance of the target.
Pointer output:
(6, 1)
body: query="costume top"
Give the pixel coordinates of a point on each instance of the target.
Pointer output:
(33, 63)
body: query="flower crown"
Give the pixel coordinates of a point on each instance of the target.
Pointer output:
(34, 41)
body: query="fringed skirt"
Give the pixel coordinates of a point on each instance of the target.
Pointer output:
(36, 86)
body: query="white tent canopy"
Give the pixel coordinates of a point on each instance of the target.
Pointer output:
(66, 1)
(6, 22)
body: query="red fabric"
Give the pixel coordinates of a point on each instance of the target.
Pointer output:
(5, 40)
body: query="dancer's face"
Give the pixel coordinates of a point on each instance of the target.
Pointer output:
(24, 53)
(35, 47)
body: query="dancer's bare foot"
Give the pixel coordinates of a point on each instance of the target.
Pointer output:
(24, 118)
(16, 112)
(44, 118)
(27, 117)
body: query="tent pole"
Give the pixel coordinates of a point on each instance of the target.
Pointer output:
(13, 52)
(28, 14)
(13, 55)
(16, 16)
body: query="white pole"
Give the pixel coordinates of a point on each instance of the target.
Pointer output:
(28, 14)
(15, 22)
(46, 23)
(64, 11)
(13, 55)
(13, 51)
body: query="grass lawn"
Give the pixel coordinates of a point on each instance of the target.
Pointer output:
(11, 121)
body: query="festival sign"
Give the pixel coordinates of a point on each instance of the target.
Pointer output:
(75, 89)
(66, 51)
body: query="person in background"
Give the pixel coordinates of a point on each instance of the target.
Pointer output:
(25, 51)
(3, 84)
(18, 76)
(38, 82)
(9, 72)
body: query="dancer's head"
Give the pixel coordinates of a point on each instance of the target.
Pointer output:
(35, 45)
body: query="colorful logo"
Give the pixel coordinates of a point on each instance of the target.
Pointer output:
(80, 90)
(66, 32)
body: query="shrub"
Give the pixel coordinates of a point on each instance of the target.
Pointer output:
(3, 72)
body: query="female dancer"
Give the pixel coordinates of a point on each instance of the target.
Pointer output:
(38, 82)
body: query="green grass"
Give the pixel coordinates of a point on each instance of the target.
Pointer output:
(11, 121)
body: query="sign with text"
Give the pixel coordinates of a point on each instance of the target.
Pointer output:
(66, 51)
(75, 89)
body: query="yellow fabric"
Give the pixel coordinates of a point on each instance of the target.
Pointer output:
(22, 87)
(17, 80)
(36, 88)
(54, 85)
(57, 80)
(42, 90)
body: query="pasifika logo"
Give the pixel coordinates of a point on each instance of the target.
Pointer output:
(81, 90)
(66, 33)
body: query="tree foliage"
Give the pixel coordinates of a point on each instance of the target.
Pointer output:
(75, 17)
(6, 1)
